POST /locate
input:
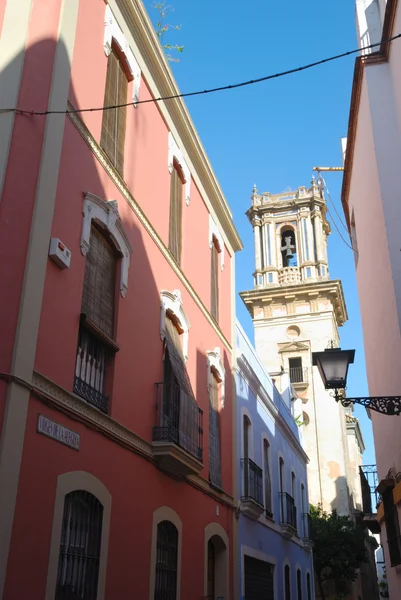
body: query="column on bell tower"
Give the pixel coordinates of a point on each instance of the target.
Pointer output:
(257, 227)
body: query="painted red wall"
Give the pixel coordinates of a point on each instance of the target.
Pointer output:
(137, 487)
(135, 496)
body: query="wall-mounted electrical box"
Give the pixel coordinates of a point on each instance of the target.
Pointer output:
(59, 253)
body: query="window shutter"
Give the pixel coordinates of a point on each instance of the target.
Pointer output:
(175, 228)
(99, 283)
(214, 435)
(176, 357)
(268, 485)
(214, 301)
(112, 137)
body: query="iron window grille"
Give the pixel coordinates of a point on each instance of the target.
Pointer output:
(288, 510)
(253, 481)
(90, 369)
(78, 567)
(166, 561)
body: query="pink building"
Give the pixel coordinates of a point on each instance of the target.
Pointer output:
(370, 196)
(117, 318)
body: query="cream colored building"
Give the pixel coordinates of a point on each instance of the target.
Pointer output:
(297, 309)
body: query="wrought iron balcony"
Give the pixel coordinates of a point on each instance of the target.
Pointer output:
(370, 496)
(178, 433)
(298, 375)
(394, 550)
(90, 369)
(307, 530)
(252, 498)
(288, 514)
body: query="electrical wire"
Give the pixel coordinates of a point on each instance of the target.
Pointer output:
(209, 91)
(353, 242)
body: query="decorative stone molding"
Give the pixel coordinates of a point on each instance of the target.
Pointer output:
(68, 402)
(215, 363)
(104, 161)
(172, 302)
(106, 214)
(214, 232)
(112, 32)
(175, 153)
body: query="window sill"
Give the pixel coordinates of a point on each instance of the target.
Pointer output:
(90, 326)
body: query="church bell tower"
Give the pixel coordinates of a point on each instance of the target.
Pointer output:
(297, 309)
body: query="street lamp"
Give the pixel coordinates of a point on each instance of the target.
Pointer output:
(333, 365)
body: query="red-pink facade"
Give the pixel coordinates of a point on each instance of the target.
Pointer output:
(45, 177)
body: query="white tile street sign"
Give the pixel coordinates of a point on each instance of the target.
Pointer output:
(58, 432)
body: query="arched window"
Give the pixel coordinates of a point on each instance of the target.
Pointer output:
(96, 332)
(78, 567)
(308, 586)
(281, 483)
(180, 418)
(176, 199)
(288, 247)
(287, 583)
(267, 479)
(299, 584)
(214, 431)
(166, 561)
(214, 275)
(112, 138)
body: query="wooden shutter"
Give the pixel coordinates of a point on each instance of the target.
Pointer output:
(100, 283)
(268, 485)
(214, 435)
(112, 137)
(176, 358)
(214, 301)
(175, 227)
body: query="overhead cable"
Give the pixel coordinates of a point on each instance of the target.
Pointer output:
(207, 91)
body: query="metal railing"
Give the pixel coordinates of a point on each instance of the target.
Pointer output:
(288, 510)
(369, 483)
(394, 550)
(90, 369)
(306, 526)
(299, 374)
(253, 481)
(178, 419)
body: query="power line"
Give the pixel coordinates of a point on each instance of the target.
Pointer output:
(209, 91)
(324, 186)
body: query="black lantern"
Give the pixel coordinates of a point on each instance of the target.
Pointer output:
(333, 366)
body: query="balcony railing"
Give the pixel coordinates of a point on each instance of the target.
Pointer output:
(394, 550)
(288, 510)
(299, 374)
(369, 483)
(289, 275)
(253, 481)
(90, 369)
(178, 419)
(306, 526)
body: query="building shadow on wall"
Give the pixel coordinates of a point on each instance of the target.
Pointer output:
(138, 365)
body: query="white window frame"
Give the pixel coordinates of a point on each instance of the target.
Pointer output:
(106, 214)
(174, 152)
(172, 302)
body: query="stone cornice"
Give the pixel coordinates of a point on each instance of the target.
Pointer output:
(158, 73)
(331, 289)
(74, 407)
(375, 58)
(354, 427)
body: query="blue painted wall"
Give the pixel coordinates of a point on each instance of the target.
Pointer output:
(270, 417)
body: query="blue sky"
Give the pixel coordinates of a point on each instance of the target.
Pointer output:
(273, 133)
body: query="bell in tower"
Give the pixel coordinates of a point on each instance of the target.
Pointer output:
(288, 248)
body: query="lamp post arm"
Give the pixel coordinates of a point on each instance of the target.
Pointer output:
(386, 405)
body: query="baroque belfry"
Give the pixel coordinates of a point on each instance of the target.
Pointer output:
(297, 309)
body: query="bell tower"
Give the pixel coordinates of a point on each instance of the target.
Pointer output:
(297, 309)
